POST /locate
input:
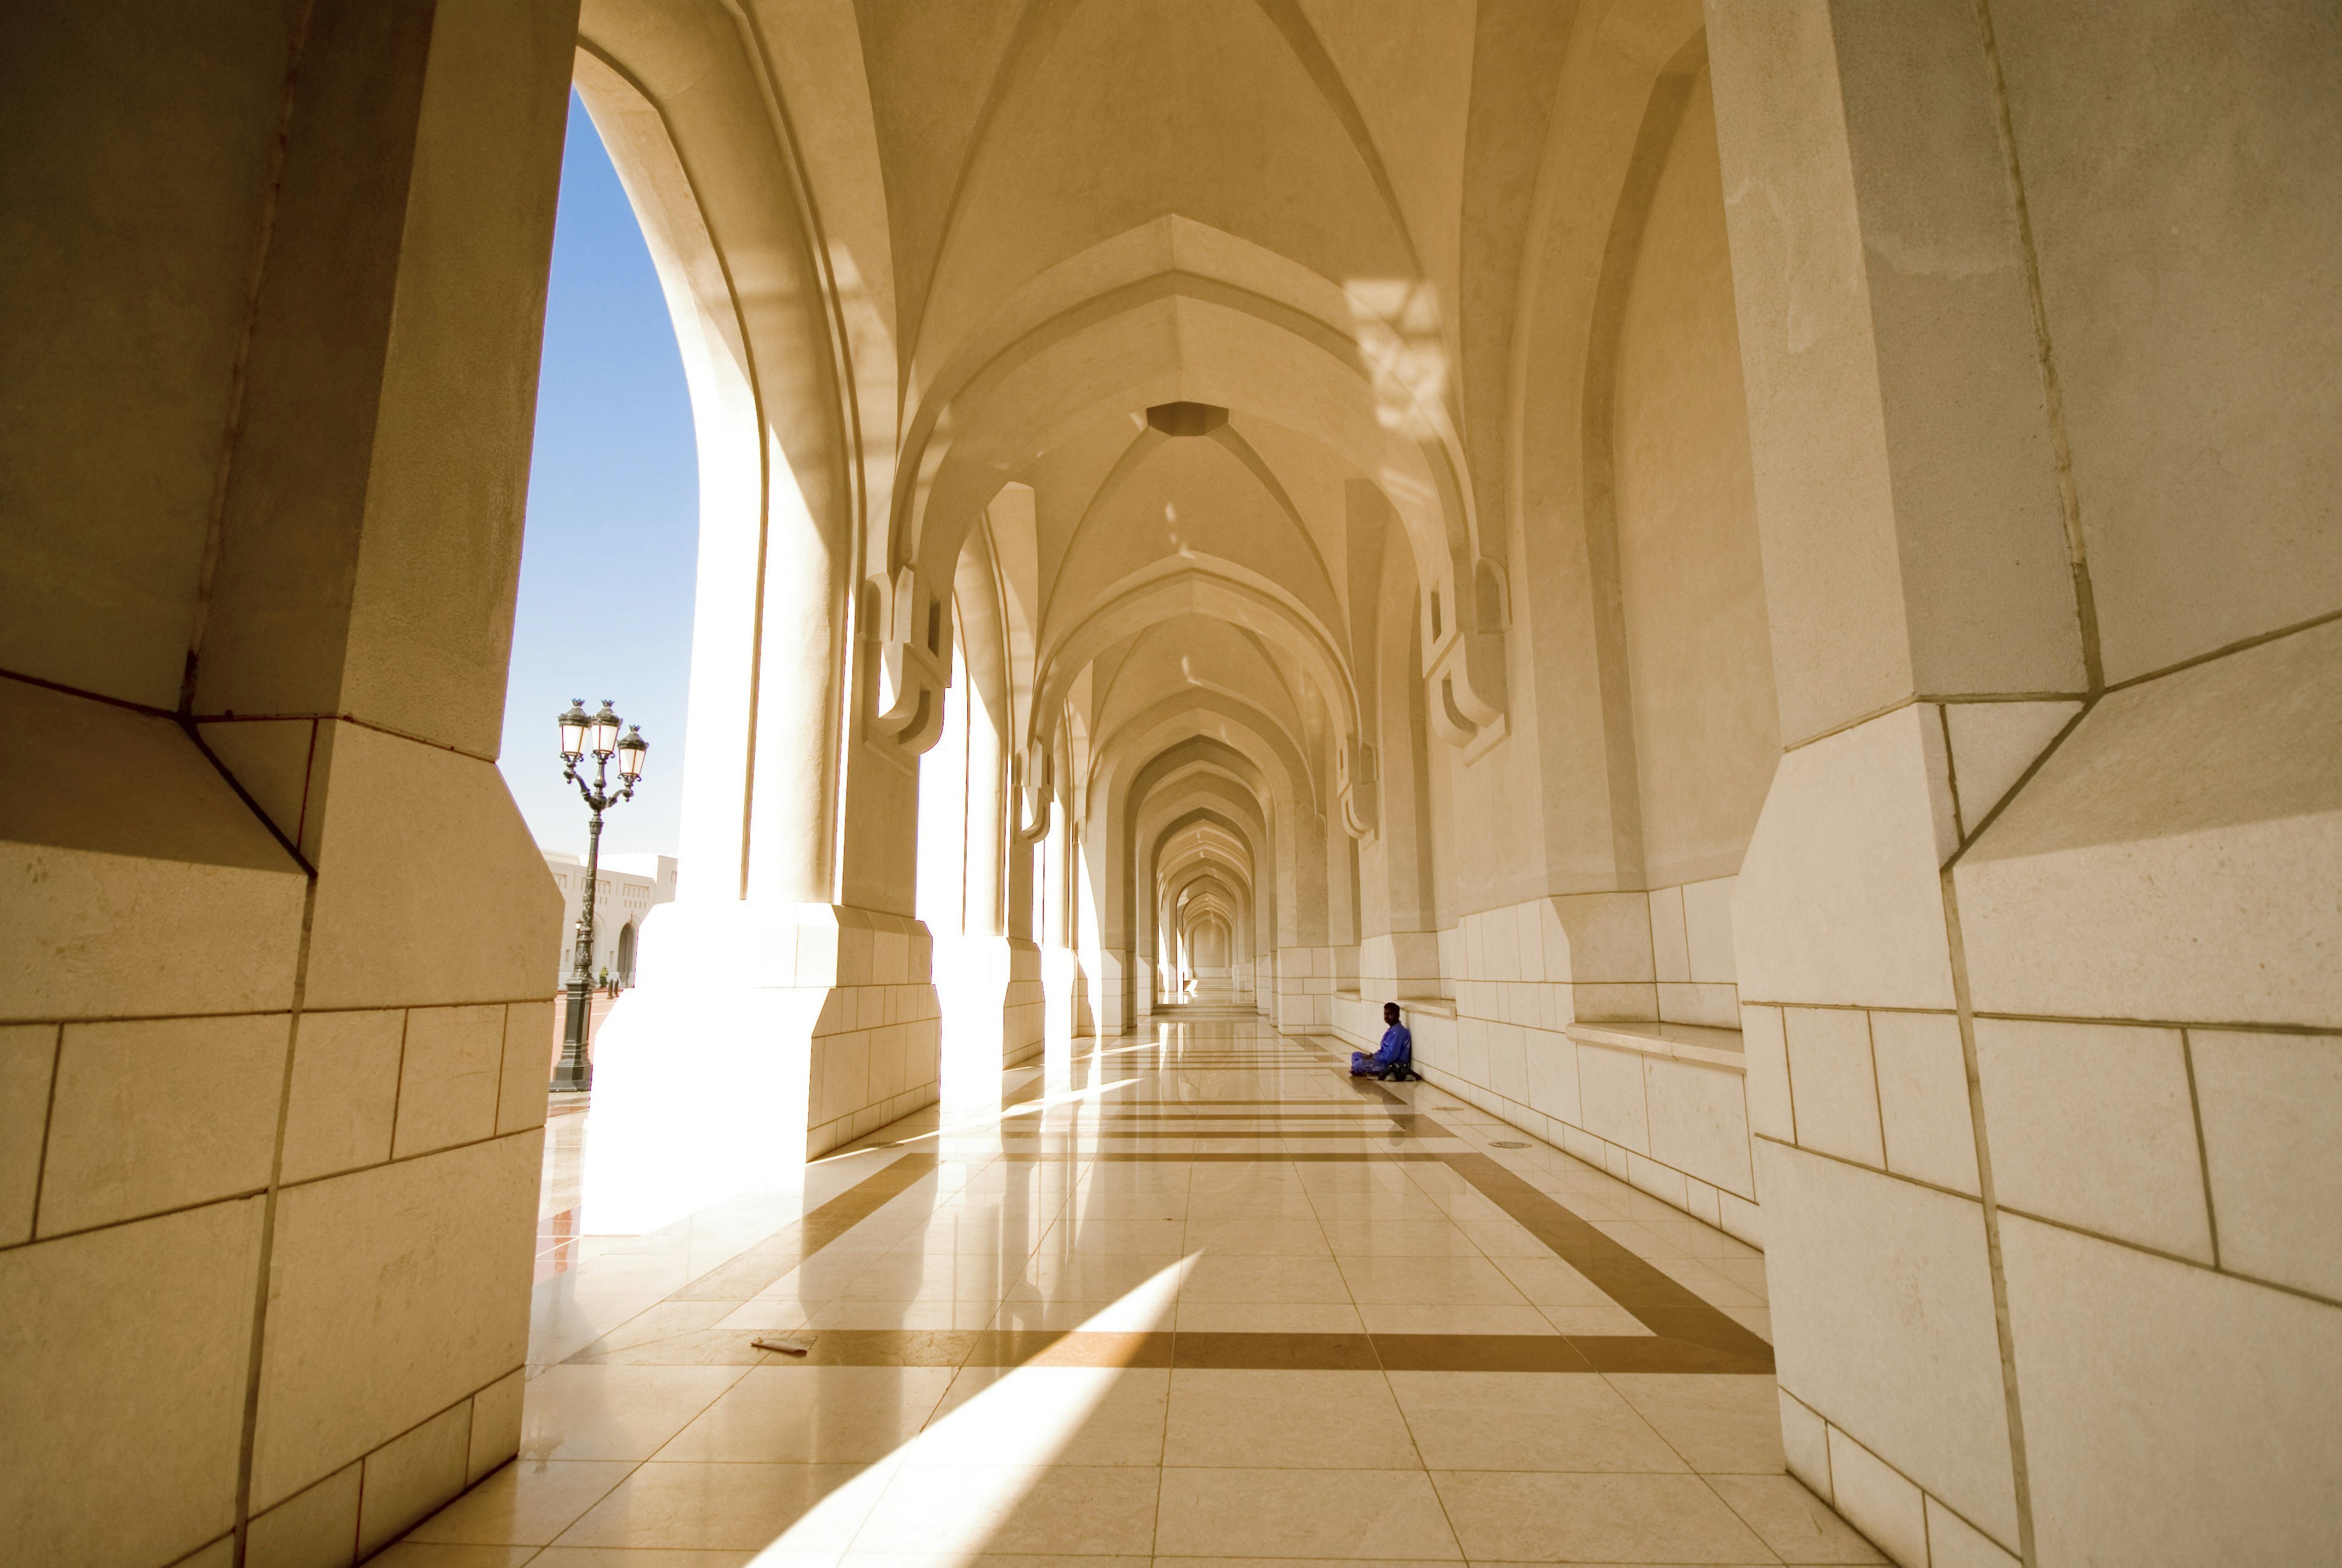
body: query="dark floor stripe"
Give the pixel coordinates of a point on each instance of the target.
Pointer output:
(1261, 1136)
(1260, 1352)
(1220, 1156)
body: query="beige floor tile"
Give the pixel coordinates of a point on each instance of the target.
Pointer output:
(1168, 1204)
(1352, 1515)
(919, 1314)
(1083, 1234)
(1335, 1208)
(759, 1317)
(1256, 1238)
(1399, 1238)
(422, 1554)
(1516, 1317)
(1505, 1239)
(1243, 1177)
(1718, 1423)
(1091, 1509)
(1428, 1282)
(1797, 1525)
(1264, 1279)
(1140, 1313)
(619, 1557)
(1527, 1420)
(526, 1502)
(1287, 1420)
(822, 1275)
(814, 1415)
(667, 1320)
(932, 1276)
(701, 1347)
(575, 1412)
(1512, 1516)
(1041, 1416)
(1295, 1207)
(736, 1507)
(1549, 1281)
(1595, 1320)
(1268, 1317)
(1695, 1276)
(1100, 1278)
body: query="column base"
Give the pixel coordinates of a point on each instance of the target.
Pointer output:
(758, 1037)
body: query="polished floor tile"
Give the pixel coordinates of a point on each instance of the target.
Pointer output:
(814, 1415)
(1077, 1509)
(1797, 1525)
(1287, 1420)
(1038, 1416)
(526, 1502)
(733, 1506)
(1513, 1516)
(1356, 1515)
(1720, 1425)
(1527, 1420)
(587, 1411)
(1234, 1312)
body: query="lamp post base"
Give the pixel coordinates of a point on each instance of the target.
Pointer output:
(575, 1069)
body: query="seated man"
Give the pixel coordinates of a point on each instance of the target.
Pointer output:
(1396, 1054)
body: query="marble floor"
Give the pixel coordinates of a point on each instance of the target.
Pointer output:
(1191, 1296)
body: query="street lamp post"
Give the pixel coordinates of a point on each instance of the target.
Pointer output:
(598, 733)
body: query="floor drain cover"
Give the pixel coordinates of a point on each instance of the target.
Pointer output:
(1506, 1143)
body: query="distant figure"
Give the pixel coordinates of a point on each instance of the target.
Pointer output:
(1395, 1057)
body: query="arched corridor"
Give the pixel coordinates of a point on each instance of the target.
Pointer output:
(1766, 570)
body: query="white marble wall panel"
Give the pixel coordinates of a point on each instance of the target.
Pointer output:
(159, 1114)
(372, 1258)
(1878, 1272)
(448, 1078)
(1699, 1122)
(131, 1342)
(1831, 1083)
(2094, 1126)
(2271, 1106)
(345, 1090)
(1610, 1090)
(2135, 1369)
(1924, 1112)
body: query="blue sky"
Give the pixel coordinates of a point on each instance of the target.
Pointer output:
(608, 562)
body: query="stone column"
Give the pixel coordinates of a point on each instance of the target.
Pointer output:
(789, 983)
(276, 1018)
(1999, 270)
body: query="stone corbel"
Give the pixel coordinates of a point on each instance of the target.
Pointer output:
(911, 670)
(1356, 788)
(1031, 783)
(1465, 668)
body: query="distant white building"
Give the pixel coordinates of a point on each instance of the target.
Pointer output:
(628, 886)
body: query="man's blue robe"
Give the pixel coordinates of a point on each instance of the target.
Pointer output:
(1398, 1050)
